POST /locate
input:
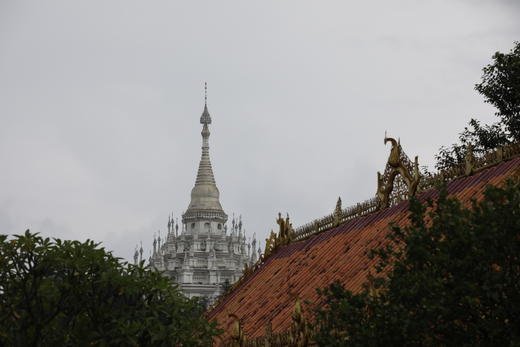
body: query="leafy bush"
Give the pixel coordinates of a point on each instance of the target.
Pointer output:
(69, 293)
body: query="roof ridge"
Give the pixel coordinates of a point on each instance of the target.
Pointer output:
(471, 166)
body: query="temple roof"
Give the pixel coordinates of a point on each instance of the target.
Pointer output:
(267, 295)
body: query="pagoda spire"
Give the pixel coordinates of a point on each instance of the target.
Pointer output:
(205, 173)
(205, 194)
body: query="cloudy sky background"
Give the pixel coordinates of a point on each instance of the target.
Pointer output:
(100, 104)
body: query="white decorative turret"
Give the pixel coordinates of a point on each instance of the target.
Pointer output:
(253, 245)
(204, 256)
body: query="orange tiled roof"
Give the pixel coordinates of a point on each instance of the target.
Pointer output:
(268, 294)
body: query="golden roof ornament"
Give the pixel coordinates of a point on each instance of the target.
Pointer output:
(284, 236)
(338, 213)
(400, 173)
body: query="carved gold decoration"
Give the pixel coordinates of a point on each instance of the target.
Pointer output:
(286, 231)
(366, 207)
(401, 176)
(338, 213)
(300, 333)
(268, 335)
(284, 236)
(237, 337)
(270, 244)
(330, 221)
(469, 161)
(373, 289)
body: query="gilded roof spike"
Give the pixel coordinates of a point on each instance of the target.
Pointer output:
(337, 212)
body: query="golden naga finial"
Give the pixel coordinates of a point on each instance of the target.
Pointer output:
(286, 230)
(398, 164)
(395, 152)
(284, 237)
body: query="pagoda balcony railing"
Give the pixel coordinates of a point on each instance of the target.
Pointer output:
(208, 215)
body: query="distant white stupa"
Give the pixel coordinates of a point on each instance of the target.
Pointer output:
(206, 255)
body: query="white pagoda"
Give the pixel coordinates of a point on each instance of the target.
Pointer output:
(204, 256)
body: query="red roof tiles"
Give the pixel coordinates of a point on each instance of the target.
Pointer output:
(299, 268)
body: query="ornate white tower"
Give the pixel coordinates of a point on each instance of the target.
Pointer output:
(205, 256)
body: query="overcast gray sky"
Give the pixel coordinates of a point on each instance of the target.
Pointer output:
(100, 104)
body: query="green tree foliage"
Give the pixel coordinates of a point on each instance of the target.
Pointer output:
(452, 278)
(500, 87)
(68, 293)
